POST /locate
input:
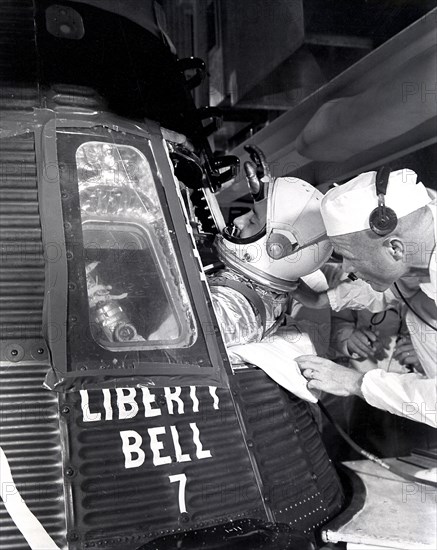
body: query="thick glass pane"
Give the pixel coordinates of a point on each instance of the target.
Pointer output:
(136, 295)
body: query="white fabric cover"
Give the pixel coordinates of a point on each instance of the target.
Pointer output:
(275, 356)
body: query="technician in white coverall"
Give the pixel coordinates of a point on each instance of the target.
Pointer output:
(406, 255)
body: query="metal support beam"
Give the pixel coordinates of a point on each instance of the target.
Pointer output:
(278, 139)
(339, 41)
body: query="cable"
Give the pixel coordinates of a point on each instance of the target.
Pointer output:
(411, 308)
(371, 456)
(374, 322)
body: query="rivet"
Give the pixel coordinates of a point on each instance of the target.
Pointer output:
(14, 352)
(40, 351)
(184, 518)
(69, 255)
(65, 410)
(69, 472)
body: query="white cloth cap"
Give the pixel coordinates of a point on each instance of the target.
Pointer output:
(346, 208)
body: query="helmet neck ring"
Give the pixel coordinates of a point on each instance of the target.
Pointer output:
(227, 234)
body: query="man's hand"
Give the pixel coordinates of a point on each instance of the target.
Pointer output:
(323, 374)
(362, 343)
(406, 354)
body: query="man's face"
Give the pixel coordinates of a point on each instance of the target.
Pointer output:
(252, 222)
(368, 259)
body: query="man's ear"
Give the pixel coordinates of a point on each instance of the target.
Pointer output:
(395, 248)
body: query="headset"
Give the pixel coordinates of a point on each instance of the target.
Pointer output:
(382, 220)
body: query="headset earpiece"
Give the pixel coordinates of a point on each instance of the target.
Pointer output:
(382, 220)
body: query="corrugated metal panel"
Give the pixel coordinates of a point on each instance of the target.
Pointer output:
(29, 436)
(127, 507)
(22, 260)
(29, 427)
(299, 480)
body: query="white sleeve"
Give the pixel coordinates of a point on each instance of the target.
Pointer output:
(359, 295)
(410, 395)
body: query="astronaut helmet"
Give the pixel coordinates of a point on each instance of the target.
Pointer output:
(282, 239)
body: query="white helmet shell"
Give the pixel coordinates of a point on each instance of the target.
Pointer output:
(294, 244)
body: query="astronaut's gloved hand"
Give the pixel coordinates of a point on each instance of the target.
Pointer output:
(257, 173)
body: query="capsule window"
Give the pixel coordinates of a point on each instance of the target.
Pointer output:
(136, 295)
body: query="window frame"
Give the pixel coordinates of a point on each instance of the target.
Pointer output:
(70, 374)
